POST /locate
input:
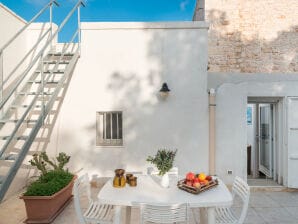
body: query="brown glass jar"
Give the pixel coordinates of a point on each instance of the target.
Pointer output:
(128, 176)
(133, 181)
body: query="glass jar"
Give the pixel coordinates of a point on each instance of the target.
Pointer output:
(119, 179)
(133, 181)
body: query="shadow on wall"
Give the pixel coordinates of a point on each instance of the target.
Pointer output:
(150, 123)
(233, 50)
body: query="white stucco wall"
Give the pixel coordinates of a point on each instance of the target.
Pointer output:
(10, 24)
(122, 67)
(231, 101)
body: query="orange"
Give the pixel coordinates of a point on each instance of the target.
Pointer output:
(202, 176)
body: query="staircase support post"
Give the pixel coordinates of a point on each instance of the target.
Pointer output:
(1, 80)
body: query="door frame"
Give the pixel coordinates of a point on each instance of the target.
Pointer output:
(279, 137)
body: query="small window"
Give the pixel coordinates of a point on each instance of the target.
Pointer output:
(109, 128)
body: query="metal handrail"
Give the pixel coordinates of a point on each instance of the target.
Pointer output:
(28, 24)
(24, 58)
(4, 100)
(20, 121)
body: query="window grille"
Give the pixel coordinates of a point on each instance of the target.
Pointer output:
(109, 128)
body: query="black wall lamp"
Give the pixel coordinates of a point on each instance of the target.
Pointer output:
(164, 91)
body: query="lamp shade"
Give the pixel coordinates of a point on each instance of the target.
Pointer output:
(164, 88)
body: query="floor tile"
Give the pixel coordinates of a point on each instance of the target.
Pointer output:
(286, 199)
(275, 215)
(259, 199)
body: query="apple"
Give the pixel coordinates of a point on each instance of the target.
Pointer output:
(189, 183)
(209, 178)
(190, 176)
(196, 185)
(196, 180)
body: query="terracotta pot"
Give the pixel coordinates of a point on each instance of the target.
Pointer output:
(44, 209)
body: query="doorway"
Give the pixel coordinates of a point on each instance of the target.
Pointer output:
(264, 132)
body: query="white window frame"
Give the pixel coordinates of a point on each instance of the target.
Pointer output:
(101, 129)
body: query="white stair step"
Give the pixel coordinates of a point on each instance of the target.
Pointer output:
(11, 156)
(59, 54)
(16, 120)
(8, 163)
(55, 62)
(34, 93)
(39, 82)
(17, 137)
(24, 106)
(48, 72)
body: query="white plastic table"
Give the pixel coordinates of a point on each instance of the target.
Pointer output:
(149, 191)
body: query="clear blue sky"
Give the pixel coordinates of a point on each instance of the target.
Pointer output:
(106, 10)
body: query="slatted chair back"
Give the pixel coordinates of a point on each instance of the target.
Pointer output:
(94, 212)
(241, 189)
(81, 188)
(165, 214)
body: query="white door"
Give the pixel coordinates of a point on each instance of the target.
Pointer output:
(265, 139)
(292, 142)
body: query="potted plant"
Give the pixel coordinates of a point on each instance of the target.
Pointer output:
(46, 197)
(163, 160)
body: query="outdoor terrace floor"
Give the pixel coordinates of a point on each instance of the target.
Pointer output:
(264, 207)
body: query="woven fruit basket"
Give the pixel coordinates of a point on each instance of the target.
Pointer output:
(194, 190)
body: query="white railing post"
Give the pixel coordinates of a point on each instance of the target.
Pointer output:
(42, 88)
(1, 79)
(79, 29)
(51, 23)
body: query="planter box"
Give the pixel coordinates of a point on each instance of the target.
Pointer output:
(44, 209)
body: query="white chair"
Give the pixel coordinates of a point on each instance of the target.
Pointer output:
(95, 212)
(153, 213)
(226, 215)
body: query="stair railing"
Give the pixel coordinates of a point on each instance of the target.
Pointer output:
(11, 40)
(32, 63)
(38, 56)
(45, 108)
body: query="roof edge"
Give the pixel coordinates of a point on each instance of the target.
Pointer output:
(13, 13)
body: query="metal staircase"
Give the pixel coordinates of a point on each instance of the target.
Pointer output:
(28, 100)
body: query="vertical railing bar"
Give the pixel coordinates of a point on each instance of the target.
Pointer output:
(1, 79)
(24, 27)
(42, 87)
(51, 24)
(79, 29)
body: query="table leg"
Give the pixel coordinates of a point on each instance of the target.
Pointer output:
(203, 215)
(128, 214)
(117, 216)
(211, 215)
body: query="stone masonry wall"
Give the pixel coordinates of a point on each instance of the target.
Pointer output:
(253, 35)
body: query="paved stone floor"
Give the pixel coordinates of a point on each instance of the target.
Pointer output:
(264, 207)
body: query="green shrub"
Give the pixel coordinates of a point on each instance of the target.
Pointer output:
(53, 176)
(163, 160)
(49, 183)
